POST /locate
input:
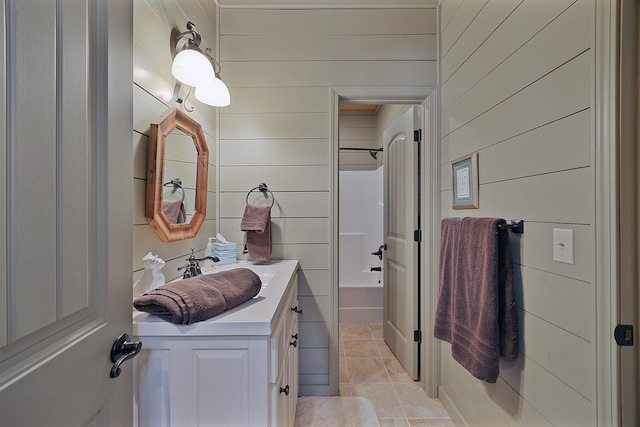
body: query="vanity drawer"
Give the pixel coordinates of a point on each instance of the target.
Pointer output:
(285, 332)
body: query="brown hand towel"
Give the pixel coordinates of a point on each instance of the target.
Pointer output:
(256, 223)
(174, 211)
(476, 309)
(200, 298)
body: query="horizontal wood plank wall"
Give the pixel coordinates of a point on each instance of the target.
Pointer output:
(152, 89)
(280, 65)
(357, 130)
(517, 87)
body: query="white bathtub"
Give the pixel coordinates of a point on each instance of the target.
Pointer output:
(360, 303)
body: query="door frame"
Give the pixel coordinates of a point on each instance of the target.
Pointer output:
(427, 96)
(606, 210)
(629, 215)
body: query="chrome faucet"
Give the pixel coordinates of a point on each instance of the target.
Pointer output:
(192, 267)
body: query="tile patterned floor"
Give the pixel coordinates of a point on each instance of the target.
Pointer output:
(369, 369)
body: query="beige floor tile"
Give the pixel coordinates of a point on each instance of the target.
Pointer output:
(398, 422)
(384, 349)
(431, 423)
(417, 404)
(360, 348)
(345, 389)
(366, 370)
(355, 331)
(396, 371)
(376, 330)
(344, 375)
(383, 397)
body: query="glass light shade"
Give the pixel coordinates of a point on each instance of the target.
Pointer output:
(192, 68)
(216, 95)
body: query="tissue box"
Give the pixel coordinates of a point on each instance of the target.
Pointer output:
(227, 252)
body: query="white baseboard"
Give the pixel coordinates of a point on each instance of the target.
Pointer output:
(451, 408)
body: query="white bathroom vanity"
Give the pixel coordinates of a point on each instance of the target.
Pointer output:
(239, 368)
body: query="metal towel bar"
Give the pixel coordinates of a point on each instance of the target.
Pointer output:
(516, 226)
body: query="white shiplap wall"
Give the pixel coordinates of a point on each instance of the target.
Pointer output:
(517, 87)
(357, 129)
(280, 65)
(153, 84)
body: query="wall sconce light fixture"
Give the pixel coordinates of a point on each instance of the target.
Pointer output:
(197, 69)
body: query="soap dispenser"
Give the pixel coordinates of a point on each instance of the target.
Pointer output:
(209, 264)
(209, 250)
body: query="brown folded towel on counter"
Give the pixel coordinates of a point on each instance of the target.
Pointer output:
(256, 223)
(200, 298)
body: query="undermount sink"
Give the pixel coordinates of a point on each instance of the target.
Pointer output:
(265, 272)
(265, 278)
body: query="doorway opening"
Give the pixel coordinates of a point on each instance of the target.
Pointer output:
(361, 115)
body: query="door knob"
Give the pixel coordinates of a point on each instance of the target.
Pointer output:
(378, 253)
(122, 350)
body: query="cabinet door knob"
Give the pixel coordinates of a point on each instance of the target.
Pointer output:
(293, 343)
(285, 390)
(296, 309)
(295, 337)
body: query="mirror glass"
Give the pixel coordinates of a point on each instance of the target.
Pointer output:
(179, 177)
(176, 176)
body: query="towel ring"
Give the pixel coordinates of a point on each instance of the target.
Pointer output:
(262, 187)
(177, 183)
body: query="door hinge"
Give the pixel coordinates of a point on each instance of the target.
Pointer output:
(623, 335)
(417, 135)
(417, 336)
(417, 235)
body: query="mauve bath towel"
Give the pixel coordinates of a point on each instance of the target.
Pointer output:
(476, 309)
(256, 223)
(174, 211)
(200, 298)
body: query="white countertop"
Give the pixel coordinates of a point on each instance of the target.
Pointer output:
(253, 317)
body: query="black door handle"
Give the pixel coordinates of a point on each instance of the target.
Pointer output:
(376, 268)
(122, 350)
(378, 253)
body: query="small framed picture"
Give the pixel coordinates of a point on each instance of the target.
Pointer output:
(464, 172)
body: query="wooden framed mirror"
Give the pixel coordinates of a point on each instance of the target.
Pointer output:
(177, 174)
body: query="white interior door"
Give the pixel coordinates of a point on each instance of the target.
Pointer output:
(400, 266)
(65, 256)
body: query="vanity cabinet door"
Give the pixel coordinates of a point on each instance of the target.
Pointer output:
(216, 382)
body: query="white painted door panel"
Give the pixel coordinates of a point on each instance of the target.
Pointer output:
(66, 240)
(401, 257)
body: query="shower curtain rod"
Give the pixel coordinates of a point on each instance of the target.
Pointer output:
(361, 149)
(372, 151)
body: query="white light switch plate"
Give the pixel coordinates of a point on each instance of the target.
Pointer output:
(563, 245)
